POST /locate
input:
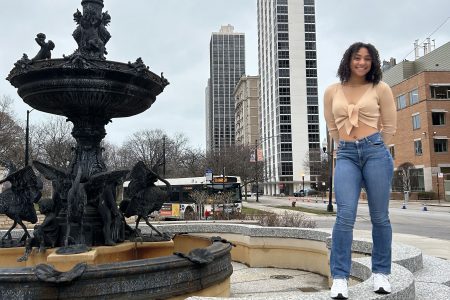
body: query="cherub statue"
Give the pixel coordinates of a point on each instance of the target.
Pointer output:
(46, 234)
(46, 48)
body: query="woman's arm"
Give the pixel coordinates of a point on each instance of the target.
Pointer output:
(328, 113)
(388, 112)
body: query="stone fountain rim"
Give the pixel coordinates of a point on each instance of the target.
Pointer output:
(406, 259)
(93, 65)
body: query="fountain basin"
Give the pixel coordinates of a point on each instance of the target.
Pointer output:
(71, 87)
(131, 274)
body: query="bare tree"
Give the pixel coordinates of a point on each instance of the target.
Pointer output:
(12, 135)
(158, 150)
(116, 157)
(191, 163)
(316, 162)
(235, 160)
(52, 142)
(200, 198)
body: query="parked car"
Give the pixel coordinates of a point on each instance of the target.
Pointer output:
(306, 192)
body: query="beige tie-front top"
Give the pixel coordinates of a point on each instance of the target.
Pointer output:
(375, 108)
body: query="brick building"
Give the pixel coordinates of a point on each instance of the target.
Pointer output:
(246, 98)
(422, 92)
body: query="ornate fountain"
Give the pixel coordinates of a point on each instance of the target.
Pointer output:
(89, 90)
(84, 232)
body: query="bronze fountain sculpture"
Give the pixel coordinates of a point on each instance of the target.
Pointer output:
(90, 90)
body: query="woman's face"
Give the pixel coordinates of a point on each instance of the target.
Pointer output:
(361, 63)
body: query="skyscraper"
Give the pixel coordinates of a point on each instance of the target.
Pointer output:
(289, 111)
(227, 65)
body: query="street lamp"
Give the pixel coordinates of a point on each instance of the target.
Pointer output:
(437, 167)
(256, 170)
(303, 183)
(330, 170)
(164, 156)
(27, 137)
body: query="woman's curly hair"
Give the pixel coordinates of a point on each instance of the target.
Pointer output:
(374, 75)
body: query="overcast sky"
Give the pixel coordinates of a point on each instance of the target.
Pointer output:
(172, 36)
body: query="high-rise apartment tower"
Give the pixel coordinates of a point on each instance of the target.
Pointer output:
(227, 65)
(289, 111)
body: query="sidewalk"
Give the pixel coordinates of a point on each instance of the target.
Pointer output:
(430, 246)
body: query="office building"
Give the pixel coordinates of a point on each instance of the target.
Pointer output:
(289, 111)
(422, 93)
(227, 65)
(246, 97)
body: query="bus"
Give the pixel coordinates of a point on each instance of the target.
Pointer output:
(181, 204)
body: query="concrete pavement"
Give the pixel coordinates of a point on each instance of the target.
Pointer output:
(430, 246)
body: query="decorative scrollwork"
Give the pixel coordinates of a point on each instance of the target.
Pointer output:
(138, 65)
(21, 66)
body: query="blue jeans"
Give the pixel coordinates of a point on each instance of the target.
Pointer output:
(363, 163)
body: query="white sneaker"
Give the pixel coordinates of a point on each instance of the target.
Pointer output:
(339, 289)
(381, 284)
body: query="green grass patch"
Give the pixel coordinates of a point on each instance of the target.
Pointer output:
(252, 211)
(309, 210)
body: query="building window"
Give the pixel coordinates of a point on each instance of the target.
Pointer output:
(282, 18)
(311, 81)
(309, 10)
(282, 27)
(311, 63)
(313, 128)
(310, 28)
(286, 147)
(311, 55)
(285, 100)
(313, 119)
(283, 36)
(285, 119)
(440, 92)
(283, 72)
(284, 81)
(283, 63)
(286, 168)
(440, 145)
(311, 73)
(401, 102)
(286, 138)
(416, 121)
(310, 19)
(285, 110)
(418, 147)
(313, 137)
(392, 151)
(282, 9)
(283, 54)
(310, 45)
(313, 110)
(310, 36)
(284, 91)
(413, 96)
(438, 118)
(311, 91)
(285, 128)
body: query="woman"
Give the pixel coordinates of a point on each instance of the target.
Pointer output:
(361, 116)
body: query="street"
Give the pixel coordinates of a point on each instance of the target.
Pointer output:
(433, 223)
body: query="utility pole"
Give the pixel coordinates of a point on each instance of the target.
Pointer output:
(164, 156)
(27, 137)
(256, 170)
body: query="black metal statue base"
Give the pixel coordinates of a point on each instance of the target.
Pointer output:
(73, 249)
